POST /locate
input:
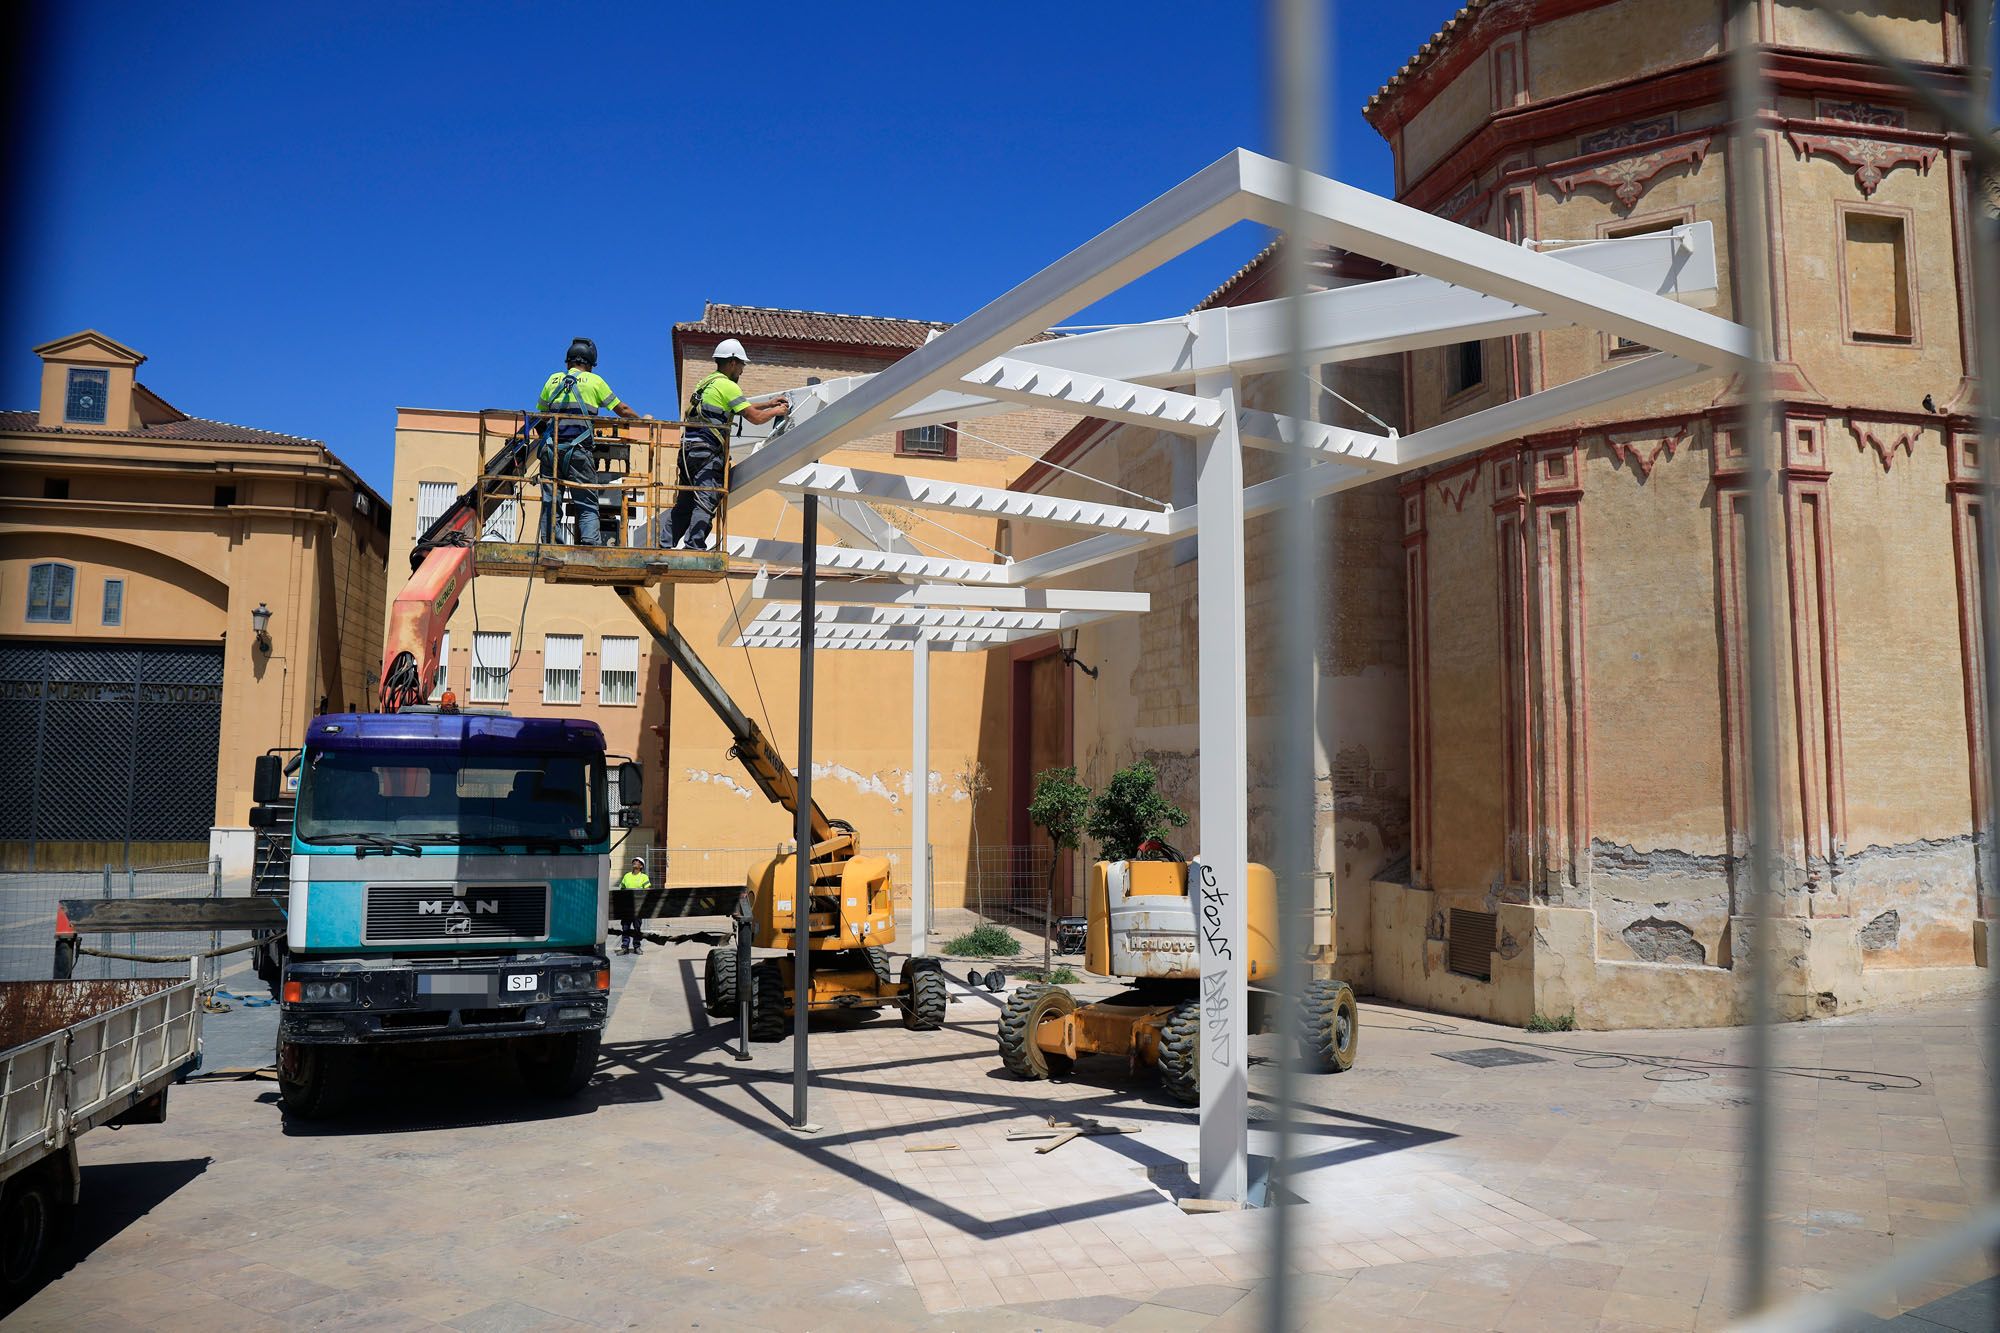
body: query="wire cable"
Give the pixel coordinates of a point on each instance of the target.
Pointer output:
(1350, 402)
(1082, 476)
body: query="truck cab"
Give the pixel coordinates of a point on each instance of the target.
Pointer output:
(448, 883)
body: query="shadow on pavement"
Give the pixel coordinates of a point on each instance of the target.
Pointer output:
(397, 1094)
(114, 1196)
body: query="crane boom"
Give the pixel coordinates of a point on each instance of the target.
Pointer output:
(750, 746)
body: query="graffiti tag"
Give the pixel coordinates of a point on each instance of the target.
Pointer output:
(1213, 931)
(1215, 1025)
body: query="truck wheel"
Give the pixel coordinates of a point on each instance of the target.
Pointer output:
(1329, 1026)
(878, 958)
(31, 1218)
(558, 1066)
(719, 982)
(314, 1081)
(924, 995)
(1180, 1055)
(1027, 1009)
(768, 1013)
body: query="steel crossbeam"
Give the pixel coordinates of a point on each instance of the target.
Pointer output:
(960, 497)
(860, 560)
(862, 616)
(1016, 381)
(786, 588)
(1274, 430)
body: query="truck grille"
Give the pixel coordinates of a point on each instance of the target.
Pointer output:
(403, 913)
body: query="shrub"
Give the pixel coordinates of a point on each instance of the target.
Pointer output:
(984, 940)
(1062, 976)
(1131, 810)
(1553, 1022)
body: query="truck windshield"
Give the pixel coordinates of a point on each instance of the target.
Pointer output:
(353, 797)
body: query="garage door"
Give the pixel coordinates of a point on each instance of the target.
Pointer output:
(108, 744)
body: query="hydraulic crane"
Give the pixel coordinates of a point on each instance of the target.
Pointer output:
(851, 915)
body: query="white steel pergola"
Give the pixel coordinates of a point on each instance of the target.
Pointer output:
(1462, 285)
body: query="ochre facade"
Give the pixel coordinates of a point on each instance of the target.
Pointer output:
(195, 524)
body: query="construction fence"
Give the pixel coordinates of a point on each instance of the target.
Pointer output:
(29, 900)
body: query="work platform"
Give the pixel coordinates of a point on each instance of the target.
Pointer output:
(534, 503)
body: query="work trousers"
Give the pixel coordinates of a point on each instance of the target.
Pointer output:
(629, 936)
(694, 510)
(575, 466)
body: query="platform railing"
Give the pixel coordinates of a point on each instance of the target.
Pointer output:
(637, 479)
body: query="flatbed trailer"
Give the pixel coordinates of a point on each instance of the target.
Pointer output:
(75, 1055)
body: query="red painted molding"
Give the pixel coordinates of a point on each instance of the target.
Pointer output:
(1642, 460)
(1886, 438)
(1869, 158)
(1445, 480)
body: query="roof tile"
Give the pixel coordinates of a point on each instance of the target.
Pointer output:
(198, 429)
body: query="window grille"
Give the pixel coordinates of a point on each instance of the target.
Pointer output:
(939, 441)
(433, 498)
(562, 668)
(492, 659)
(51, 587)
(88, 397)
(618, 670)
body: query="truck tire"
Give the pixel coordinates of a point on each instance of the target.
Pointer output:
(32, 1217)
(924, 995)
(769, 1015)
(1329, 1026)
(1026, 1009)
(1180, 1055)
(719, 982)
(315, 1082)
(558, 1066)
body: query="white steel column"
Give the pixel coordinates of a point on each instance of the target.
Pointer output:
(1223, 869)
(920, 792)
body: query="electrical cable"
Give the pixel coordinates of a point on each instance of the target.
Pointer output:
(1692, 1069)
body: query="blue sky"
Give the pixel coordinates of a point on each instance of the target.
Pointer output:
(307, 216)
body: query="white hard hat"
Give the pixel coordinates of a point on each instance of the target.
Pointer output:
(731, 350)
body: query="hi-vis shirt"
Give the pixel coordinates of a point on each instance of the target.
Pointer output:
(591, 393)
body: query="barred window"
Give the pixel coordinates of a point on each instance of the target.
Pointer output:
(618, 670)
(492, 659)
(562, 668)
(939, 441)
(442, 681)
(114, 601)
(51, 587)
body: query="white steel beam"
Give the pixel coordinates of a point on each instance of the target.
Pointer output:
(891, 641)
(1273, 430)
(1220, 878)
(1017, 381)
(787, 588)
(935, 617)
(959, 497)
(855, 560)
(1184, 216)
(920, 792)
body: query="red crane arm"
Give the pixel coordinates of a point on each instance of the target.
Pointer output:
(418, 617)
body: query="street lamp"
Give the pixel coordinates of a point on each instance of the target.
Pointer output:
(1066, 641)
(260, 620)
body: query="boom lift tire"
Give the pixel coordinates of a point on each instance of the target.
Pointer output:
(719, 982)
(925, 998)
(878, 958)
(1180, 1055)
(33, 1214)
(1329, 1026)
(315, 1082)
(768, 1011)
(558, 1066)
(1026, 1009)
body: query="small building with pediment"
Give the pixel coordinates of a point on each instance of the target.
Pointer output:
(177, 595)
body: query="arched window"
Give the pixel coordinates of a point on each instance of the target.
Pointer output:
(51, 593)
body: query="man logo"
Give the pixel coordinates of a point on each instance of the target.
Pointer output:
(458, 907)
(458, 925)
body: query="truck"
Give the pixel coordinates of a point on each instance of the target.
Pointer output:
(448, 883)
(75, 1055)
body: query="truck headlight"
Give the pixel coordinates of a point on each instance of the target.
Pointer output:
(339, 990)
(315, 990)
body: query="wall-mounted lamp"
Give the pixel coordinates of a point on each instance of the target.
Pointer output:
(260, 620)
(1067, 641)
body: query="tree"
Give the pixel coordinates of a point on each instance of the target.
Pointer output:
(1058, 809)
(1130, 811)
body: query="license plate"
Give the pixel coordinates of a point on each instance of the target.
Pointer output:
(521, 981)
(435, 984)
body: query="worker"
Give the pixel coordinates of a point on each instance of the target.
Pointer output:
(565, 448)
(635, 882)
(711, 413)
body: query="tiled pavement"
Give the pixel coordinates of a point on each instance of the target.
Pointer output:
(1593, 1188)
